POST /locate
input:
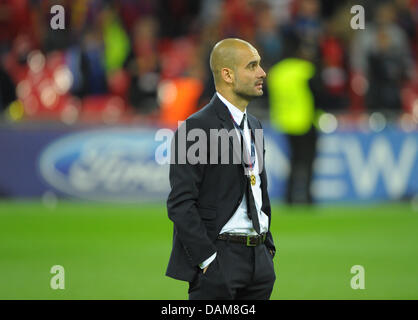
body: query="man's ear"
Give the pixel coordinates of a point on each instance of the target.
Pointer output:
(227, 75)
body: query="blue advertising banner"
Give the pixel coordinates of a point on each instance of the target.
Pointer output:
(119, 164)
(352, 166)
(108, 164)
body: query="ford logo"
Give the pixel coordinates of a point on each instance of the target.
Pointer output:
(115, 165)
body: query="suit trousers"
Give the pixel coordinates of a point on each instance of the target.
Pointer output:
(239, 272)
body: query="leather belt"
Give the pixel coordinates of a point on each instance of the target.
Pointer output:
(249, 241)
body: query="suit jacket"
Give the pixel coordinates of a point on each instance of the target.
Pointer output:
(204, 197)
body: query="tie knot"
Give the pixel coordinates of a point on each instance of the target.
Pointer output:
(242, 122)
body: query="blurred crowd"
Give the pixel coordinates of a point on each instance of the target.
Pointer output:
(148, 59)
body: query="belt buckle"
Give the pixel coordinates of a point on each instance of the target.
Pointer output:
(249, 244)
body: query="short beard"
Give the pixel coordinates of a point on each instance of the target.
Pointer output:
(246, 96)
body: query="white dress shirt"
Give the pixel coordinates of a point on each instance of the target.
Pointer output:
(239, 222)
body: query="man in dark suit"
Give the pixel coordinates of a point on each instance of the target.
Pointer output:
(222, 243)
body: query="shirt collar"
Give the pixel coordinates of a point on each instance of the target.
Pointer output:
(236, 113)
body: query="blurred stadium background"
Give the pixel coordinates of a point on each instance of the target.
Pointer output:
(80, 109)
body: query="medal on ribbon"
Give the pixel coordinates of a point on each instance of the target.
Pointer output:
(252, 179)
(250, 161)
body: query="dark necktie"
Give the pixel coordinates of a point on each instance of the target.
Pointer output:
(251, 208)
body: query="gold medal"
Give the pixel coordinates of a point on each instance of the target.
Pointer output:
(252, 178)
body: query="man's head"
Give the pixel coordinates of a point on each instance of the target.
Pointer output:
(236, 69)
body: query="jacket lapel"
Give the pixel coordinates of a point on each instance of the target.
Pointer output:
(226, 123)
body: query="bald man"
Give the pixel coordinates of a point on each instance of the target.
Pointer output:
(221, 211)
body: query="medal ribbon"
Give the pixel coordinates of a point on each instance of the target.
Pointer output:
(252, 162)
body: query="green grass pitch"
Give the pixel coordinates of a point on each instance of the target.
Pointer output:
(121, 251)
